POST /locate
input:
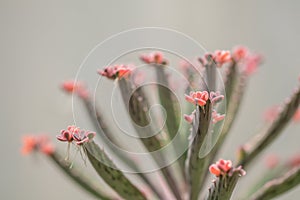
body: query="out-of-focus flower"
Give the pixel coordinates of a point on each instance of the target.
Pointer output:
(37, 143)
(29, 144)
(239, 53)
(251, 63)
(154, 58)
(77, 87)
(198, 98)
(221, 57)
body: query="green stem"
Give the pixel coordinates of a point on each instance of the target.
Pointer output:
(138, 108)
(110, 174)
(271, 131)
(81, 179)
(195, 167)
(278, 186)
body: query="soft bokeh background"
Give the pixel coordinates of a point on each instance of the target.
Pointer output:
(44, 42)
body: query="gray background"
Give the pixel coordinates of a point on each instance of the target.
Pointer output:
(44, 42)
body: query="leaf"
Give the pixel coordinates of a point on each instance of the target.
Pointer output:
(113, 177)
(279, 185)
(224, 185)
(235, 86)
(196, 166)
(138, 110)
(271, 131)
(103, 128)
(168, 101)
(80, 178)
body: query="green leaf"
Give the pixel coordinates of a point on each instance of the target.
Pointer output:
(235, 86)
(170, 104)
(103, 129)
(80, 178)
(279, 185)
(197, 166)
(138, 110)
(113, 177)
(271, 131)
(168, 101)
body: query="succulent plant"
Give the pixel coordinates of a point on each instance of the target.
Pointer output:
(217, 83)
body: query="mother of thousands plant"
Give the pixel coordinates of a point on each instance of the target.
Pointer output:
(206, 129)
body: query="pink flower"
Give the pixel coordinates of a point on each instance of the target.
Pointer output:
(221, 167)
(29, 144)
(214, 169)
(197, 98)
(83, 137)
(224, 165)
(154, 58)
(65, 136)
(116, 71)
(239, 53)
(76, 134)
(222, 57)
(69, 86)
(37, 143)
(109, 72)
(216, 117)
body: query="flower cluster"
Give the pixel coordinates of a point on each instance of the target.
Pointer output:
(74, 133)
(200, 98)
(248, 62)
(116, 71)
(197, 98)
(221, 167)
(154, 58)
(37, 143)
(224, 167)
(222, 57)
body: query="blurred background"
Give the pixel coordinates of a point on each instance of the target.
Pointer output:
(43, 43)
